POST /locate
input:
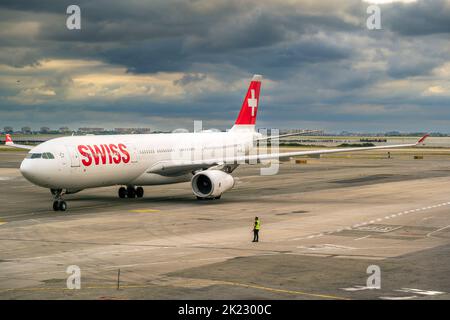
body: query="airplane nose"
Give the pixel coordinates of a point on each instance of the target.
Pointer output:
(27, 170)
(33, 172)
(37, 172)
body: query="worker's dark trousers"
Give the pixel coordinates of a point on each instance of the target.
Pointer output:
(255, 235)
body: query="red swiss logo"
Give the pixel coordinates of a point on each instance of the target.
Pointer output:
(103, 154)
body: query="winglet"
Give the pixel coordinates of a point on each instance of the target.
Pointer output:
(8, 140)
(423, 139)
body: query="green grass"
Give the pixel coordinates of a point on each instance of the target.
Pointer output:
(11, 149)
(355, 145)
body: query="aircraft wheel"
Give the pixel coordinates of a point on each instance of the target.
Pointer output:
(139, 192)
(217, 198)
(62, 206)
(55, 206)
(122, 192)
(131, 192)
(200, 198)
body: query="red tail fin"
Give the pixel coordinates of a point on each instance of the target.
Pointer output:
(8, 139)
(249, 108)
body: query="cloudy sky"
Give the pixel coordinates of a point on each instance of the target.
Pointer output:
(163, 64)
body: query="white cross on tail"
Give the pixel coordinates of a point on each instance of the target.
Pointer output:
(252, 102)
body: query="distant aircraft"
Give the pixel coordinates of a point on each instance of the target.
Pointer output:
(68, 165)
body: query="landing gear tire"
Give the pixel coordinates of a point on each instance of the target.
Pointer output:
(62, 206)
(217, 198)
(139, 192)
(131, 192)
(59, 205)
(122, 192)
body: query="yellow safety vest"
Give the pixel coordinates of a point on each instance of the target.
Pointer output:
(257, 224)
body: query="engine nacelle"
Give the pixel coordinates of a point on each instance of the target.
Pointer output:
(211, 183)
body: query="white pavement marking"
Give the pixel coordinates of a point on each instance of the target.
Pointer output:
(326, 246)
(362, 238)
(420, 291)
(358, 288)
(429, 234)
(377, 220)
(398, 298)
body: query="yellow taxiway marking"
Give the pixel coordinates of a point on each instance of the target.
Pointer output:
(2, 222)
(294, 292)
(145, 210)
(93, 287)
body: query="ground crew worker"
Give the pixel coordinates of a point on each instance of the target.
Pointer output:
(256, 228)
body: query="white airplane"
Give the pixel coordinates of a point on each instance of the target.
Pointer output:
(68, 165)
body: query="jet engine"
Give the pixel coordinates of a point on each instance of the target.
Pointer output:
(211, 183)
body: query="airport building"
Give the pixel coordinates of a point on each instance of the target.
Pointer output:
(26, 130)
(44, 130)
(131, 130)
(64, 130)
(91, 130)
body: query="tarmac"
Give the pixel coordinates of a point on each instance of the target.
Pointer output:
(324, 225)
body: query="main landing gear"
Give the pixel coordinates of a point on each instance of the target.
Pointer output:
(131, 192)
(58, 203)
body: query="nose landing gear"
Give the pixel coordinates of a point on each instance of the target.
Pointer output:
(58, 203)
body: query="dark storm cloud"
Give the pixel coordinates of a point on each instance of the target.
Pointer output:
(172, 35)
(190, 78)
(324, 65)
(415, 65)
(171, 55)
(423, 17)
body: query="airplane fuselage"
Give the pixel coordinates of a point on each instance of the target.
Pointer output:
(80, 162)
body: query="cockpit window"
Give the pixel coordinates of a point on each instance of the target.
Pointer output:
(45, 155)
(35, 155)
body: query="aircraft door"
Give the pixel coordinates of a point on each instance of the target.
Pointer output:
(133, 153)
(74, 156)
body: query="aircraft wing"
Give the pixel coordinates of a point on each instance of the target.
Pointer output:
(177, 167)
(287, 135)
(276, 137)
(181, 166)
(9, 142)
